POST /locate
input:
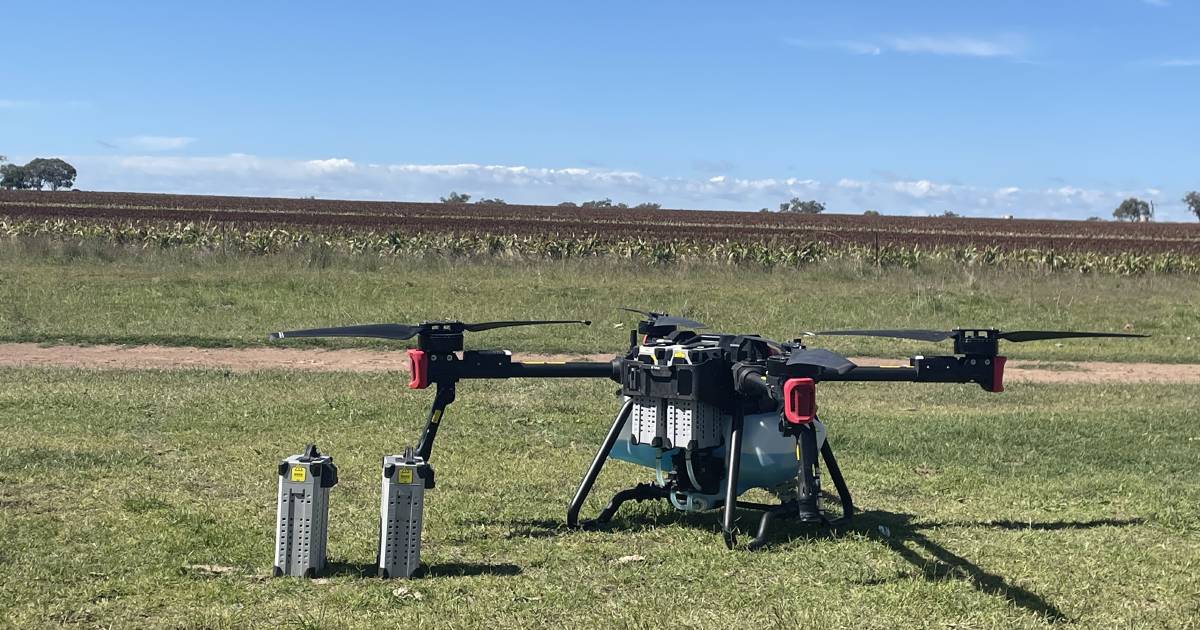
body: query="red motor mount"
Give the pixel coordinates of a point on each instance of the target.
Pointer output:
(799, 400)
(418, 364)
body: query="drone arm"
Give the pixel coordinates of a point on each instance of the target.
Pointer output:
(427, 367)
(987, 371)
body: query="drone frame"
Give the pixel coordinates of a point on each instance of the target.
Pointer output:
(789, 376)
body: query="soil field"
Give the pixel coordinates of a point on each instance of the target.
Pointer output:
(606, 223)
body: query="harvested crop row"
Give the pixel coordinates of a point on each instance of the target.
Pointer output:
(317, 243)
(608, 223)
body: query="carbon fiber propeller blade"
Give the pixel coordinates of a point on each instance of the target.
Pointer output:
(918, 335)
(824, 359)
(1016, 336)
(523, 322)
(381, 331)
(1019, 336)
(408, 331)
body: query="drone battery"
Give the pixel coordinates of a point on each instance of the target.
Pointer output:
(675, 423)
(405, 478)
(645, 423)
(302, 515)
(691, 422)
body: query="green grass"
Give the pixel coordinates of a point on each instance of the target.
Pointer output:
(92, 293)
(1071, 504)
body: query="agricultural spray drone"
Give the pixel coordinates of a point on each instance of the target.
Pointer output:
(690, 399)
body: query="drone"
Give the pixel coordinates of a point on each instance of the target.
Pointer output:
(713, 415)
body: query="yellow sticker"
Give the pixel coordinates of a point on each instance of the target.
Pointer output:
(437, 416)
(298, 473)
(404, 475)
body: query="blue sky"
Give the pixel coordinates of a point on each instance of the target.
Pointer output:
(1028, 108)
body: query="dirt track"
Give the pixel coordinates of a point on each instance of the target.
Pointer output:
(170, 358)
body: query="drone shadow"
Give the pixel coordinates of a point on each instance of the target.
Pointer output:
(906, 538)
(897, 531)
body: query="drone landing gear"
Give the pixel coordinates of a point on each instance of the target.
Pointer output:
(639, 493)
(585, 486)
(805, 509)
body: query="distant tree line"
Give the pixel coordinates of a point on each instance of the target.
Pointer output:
(53, 171)
(36, 175)
(457, 197)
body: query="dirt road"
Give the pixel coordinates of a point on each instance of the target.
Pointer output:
(241, 359)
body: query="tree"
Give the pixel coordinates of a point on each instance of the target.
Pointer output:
(456, 198)
(568, 204)
(598, 203)
(871, 213)
(1093, 219)
(496, 201)
(802, 207)
(52, 172)
(648, 206)
(12, 177)
(949, 214)
(1133, 209)
(1192, 200)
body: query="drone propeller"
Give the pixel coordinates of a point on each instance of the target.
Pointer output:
(822, 359)
(408, 331)
(1017, 336)
(663, 319)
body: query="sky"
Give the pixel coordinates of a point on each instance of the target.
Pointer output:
(1033, 109)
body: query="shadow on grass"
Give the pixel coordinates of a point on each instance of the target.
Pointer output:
(523, 528)
(441, 569)
(896, 531)
(464, 569)
(907, 539)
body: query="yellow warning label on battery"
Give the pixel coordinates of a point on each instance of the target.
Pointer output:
(437, 416)
(404, 475)
(298, 473)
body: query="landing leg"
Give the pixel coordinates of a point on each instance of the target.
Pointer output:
(835, 473)
(731, 482)
(442, 399)
(585, 486)
(639, 493)
(794, 509)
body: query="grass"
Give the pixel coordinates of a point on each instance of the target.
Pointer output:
(1065, 504)
(53, 292)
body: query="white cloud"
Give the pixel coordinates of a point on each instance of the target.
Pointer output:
(331, 165)
(1008, 46)
(156, 143)
(862, 48)
(241, 174)
(8, 103)
(1157, 3)
(957, 45)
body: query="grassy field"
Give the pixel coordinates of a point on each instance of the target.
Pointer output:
(91, 293)
(1017, 510)
(146, 499)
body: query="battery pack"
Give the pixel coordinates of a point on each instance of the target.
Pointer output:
(302, 517)
(402, 502)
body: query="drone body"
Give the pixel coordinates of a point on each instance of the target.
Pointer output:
(677, 428)
(690, 399)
